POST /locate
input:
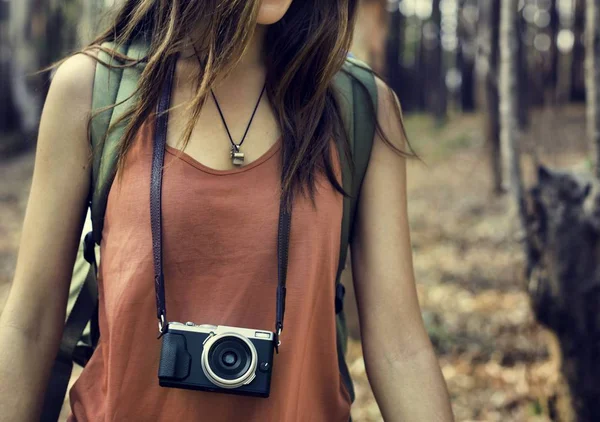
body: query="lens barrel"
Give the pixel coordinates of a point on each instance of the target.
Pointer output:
(229, 360)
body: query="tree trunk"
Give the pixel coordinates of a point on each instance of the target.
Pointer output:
(553, 64)
(523, 75)
(592, 77)
(578, 56)
(466, 55)
(394, 47)
(439, 96)
(508, 88)
(24, 27)
(9, 118)
(419, 74)
(488, 40)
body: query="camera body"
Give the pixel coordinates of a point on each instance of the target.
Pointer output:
(217, 358)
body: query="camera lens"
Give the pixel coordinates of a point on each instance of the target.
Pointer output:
(229, 360)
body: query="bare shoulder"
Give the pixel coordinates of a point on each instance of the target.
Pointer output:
(390, 119)
(389, 114)
(68, 106)
(73, 81)
(387, 164)
(63, 133)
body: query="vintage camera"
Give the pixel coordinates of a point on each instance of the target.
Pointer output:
(217, 358)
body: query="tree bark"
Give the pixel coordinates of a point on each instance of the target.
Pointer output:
(578, 55)
(439, 96)
(553, 64)
(488, 41)
(592, 77)
(466, 55)
(24, 28)
(508, 88)
(523, 75)
(420, 86)
(9, 118)
(394, 45)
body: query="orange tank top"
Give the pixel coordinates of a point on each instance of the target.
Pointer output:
(219, 246)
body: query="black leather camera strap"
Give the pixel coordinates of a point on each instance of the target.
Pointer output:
(158, 157)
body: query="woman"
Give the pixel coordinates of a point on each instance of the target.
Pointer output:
(219, 223)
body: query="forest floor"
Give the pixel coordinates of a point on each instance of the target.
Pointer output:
(499, 364)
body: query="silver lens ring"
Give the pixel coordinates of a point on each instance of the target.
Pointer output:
(246, 378)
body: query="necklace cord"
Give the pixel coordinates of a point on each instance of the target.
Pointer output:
(233, 144)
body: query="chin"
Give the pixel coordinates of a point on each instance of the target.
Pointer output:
(271, 11)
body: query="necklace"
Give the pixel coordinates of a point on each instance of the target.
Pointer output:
(237, 156)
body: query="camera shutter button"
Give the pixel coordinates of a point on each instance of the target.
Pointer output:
(190, 324)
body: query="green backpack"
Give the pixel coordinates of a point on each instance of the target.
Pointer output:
(115, 86)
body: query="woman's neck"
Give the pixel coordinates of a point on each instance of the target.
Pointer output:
(251, 61)
(253, 56)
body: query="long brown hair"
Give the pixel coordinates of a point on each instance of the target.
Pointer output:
(305, 50)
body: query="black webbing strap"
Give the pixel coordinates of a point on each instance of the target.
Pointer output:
(85, 305)
(283, 241)
(158, 156)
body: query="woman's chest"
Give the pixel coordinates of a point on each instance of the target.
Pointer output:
(219, 231)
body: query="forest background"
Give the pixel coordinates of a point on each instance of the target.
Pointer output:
(501, 100)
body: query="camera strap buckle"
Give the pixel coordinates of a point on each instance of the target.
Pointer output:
(278, 339)
(162, 326)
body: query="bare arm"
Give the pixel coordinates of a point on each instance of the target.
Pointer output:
(32, 321)
(400, 361)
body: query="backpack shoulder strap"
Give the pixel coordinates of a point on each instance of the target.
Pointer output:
(357, 92)
(357, 95)
(111, 86)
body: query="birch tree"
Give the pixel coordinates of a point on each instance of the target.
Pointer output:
(508, 89)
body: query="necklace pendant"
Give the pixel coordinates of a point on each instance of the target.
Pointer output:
(237, 157)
